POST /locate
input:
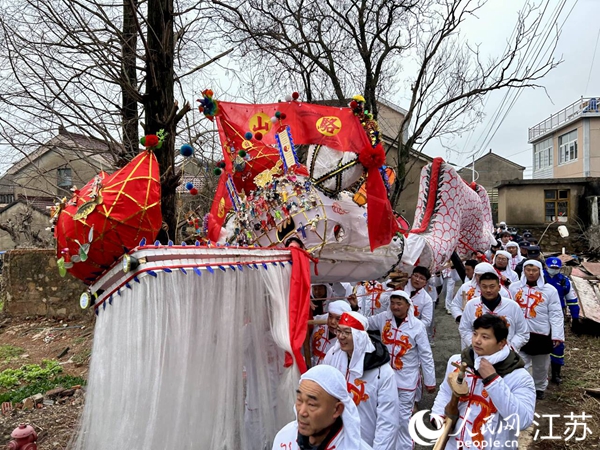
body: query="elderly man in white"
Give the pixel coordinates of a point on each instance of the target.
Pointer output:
(326, 416)
(364, 361)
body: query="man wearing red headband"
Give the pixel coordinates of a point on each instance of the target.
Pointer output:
(364, 362)
(406, 339)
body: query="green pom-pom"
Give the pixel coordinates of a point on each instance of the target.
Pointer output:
(143, 141)
(242, 153)
(277, 114)
(218, 171)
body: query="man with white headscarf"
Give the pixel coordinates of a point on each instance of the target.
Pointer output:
(501, 263)
(541, 307)
(470, 290)
(324, 336)
(501, 395)
(326, 416)
(371, 380)
(406, 340)
(491, 302)
(515, 254)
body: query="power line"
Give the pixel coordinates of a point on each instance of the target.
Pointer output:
(539, 46)
(592, 65)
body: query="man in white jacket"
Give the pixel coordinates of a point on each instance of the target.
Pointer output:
(410, 352)
(491, 302)
(324, 336)
(421, 300)
(541, 307)
(326, 416)
(502, 265)
(371, 381)
(470, 290)
(501, 399)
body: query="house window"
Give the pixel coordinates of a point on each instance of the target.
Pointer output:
(7, 198)
(542, 154)
(567, 147)
(65, 178)
(556, 205)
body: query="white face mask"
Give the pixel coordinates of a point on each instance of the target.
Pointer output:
(553, 271)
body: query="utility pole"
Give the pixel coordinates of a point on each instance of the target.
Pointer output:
(473, 176)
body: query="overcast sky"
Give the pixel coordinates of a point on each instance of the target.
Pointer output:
(564, 85)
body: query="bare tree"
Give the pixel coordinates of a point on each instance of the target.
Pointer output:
(98, 67)
(325, 47)
(22, 228)
(340, 47)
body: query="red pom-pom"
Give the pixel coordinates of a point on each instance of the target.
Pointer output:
(151, 140)
(372, 157)
(194, 191)
(295, 95)
(353, 104)
(258, 136)
(282, 116)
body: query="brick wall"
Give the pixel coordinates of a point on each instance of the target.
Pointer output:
(33, 286)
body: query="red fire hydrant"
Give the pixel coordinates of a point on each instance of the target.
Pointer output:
(24, 437)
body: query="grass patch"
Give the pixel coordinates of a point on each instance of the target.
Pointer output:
(9, 351)
(40, 387)
(29, 373)
(81, 358)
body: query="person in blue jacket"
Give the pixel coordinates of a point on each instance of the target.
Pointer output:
(568, 299)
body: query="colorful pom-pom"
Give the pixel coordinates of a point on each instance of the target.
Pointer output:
(221, 164)
(295, 95)
(282, 116)
(194, 191)
(143, 140)
(151, 140)
(189, 185)
(273, 119)
(217, 171)
(288, 98)
(353, 104)
(242, 153)
(186, 150)
(278, 114)
(372, 157)
(258, 136)
(248, 135)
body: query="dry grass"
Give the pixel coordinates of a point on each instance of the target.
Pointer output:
(581, 371)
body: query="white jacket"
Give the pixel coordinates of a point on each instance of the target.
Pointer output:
(376, 397)
(508, 400)
(320, 342)
(409, 349)
(518, 332)
(422, 303)
(286, 440)
(541, 307)
(471, 290)
(375, 301)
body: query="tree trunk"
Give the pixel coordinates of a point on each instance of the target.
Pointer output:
(159, 104)
(129, 112)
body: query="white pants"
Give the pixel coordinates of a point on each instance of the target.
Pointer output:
(449, 284)
(538, 366)
(406, 403)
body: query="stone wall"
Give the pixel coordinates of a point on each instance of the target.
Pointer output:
(35, 288)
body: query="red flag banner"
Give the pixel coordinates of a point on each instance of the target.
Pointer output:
(334, 127)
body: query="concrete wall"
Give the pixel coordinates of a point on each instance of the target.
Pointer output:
(572, 169)
(39, 223)
(41, 177)
(492, 170)
(35, 288)
(594, 132)
(524, 205)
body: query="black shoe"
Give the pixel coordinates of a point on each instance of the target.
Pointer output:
(556, 379)
(539, 395)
